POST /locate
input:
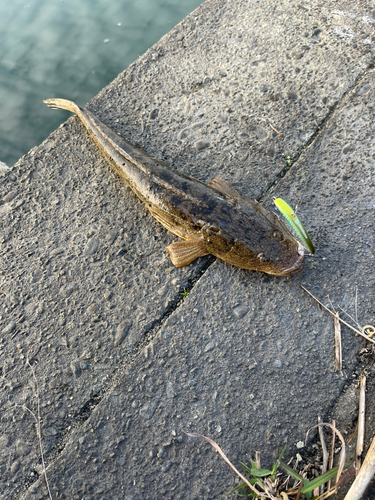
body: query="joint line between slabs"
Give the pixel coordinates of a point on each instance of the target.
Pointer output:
(320, 129)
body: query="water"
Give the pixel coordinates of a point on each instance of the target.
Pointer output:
(71, 49)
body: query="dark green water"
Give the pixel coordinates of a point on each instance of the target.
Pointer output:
(72, 49)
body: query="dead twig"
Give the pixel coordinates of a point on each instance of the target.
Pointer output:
(338, 348)
(364, 476)
(361, 423)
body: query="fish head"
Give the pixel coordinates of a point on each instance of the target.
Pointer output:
(281, 253)
(287, 261)
(258, 240)
(272, 256)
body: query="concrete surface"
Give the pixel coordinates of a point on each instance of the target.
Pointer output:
(90, 296)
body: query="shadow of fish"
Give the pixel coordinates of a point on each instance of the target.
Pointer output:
(211, 218)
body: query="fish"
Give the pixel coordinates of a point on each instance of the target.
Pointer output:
(295, 225)
(210, 218)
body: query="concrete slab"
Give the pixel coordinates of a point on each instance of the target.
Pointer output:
(89, 292)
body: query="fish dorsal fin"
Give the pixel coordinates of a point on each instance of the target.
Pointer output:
(184, 252)
(223, 187)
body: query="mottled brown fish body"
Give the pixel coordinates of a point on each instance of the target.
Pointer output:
(212, 219)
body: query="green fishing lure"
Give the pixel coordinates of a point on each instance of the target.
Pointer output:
(294, 224)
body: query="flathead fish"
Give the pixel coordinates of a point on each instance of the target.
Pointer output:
(211, 218)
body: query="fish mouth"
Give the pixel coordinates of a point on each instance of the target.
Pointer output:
(298, 264)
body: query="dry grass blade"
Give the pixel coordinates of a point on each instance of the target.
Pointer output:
(299, 491)
(280, 135)
(220, 451)
(324, 450)
(361, 422)
(341, 463)
(257, 458)
(359, 332)
(351, 317)
(332, 452)
(38, 426)
(346, 476)
(364, 476)
(338, 350)
(354, 433)
(356, 304)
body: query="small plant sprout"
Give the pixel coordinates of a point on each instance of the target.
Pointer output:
(184, 294)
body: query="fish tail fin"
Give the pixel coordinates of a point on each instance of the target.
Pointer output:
(63, 104)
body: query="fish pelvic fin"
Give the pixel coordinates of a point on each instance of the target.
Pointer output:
(62, 104)
(183, 253)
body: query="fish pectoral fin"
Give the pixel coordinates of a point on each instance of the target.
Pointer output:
(223, 187)
(184, 252)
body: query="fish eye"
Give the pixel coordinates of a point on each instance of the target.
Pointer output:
(262, 257)
(278, 235)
